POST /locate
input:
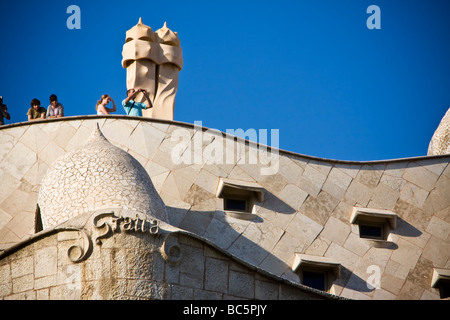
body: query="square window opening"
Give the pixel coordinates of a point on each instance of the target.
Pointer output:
(369, 231)
(444, 289)
(234, 204)
(316, 280)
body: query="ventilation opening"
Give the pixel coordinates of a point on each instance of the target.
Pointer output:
(316, 280)
(371, 231)
(235, 204)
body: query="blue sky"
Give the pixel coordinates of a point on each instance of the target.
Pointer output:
(311, 69)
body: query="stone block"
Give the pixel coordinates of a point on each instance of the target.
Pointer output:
(266, 290)
(356, 245)
(216, 275)
(437, 251)
(385, 197)
(45, 262)
(21, 267)
(312, 180)
(293, 196)
(439, 228)
(23, 283)
(336, 231)
(370, 175)
(241, 285)
(406, 254)
(304, 229)
(410, 291)
(319, 208)
(420, 176)
(359, 193)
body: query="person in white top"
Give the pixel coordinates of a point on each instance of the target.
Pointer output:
(55, 109)
(101, 105)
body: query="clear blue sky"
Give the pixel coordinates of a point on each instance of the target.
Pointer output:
(311, 69)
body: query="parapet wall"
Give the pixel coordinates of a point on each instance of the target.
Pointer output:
(306, 207)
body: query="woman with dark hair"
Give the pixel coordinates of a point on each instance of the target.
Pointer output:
(101, 105)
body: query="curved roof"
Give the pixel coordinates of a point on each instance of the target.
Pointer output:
(97, 176)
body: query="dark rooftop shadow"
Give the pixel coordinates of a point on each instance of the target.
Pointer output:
(405, 229)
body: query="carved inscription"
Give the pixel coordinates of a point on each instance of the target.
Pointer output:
(119, 224)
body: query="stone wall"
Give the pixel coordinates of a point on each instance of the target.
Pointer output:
(306, 208)
(132, 265)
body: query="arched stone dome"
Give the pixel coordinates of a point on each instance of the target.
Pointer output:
(97, 176)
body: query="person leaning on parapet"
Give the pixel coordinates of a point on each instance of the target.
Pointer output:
(55, 109)
(134, 108)
(3, 112)
(36, 112)
(101, 105)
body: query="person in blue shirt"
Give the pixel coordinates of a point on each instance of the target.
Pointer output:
(134, 108)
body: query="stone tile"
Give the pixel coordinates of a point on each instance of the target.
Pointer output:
(23, 283)
(216, 275)
(396, 269)
(304, 229)
(45, 262)
(318, 247)
(293, 196)
(21, 267)
(319, 208)
(19, 160)
(439, 228)
(266, 290)
(437, 251)
(321, 166)
(414, 195)
(207, 181)
(241, 285)
(50, 153)
(356, 245)
(344, 256)
(370, 175)
(420, 176)
(385, 197)
(220, 232)
(438, 197)
(290, 170)
(350, 169)
(391, 283)
(333, 189)
(336, 231)
(286, 247)
(407, 254)
(359, 193)
(312, 180)
(394, 182)
(422, 273)
(410, 291)
(339, 178)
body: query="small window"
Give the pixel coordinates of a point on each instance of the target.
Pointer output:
(374, 224)
(316, 272)
(441, 281)
(444, 289)
(239, 197)
(316, 280)
(371, 231)
(235, 204)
